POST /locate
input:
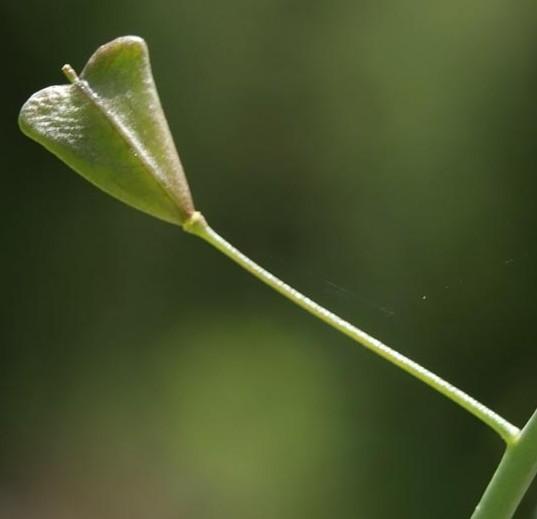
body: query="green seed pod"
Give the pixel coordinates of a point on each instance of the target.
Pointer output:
(109, 126)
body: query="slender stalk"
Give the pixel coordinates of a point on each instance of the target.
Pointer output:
(512, 477)
(198, 226)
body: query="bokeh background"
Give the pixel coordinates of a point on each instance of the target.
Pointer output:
(380, 156)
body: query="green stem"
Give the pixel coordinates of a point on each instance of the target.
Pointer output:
(198, 226)
(512, 477)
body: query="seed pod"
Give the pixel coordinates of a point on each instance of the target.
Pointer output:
(109, 126)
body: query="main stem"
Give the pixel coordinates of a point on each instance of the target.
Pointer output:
(513, 476)
(198, 226)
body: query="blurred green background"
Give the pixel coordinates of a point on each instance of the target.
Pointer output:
(380, 156)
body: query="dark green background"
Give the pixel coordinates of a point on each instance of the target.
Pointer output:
(378, 155)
